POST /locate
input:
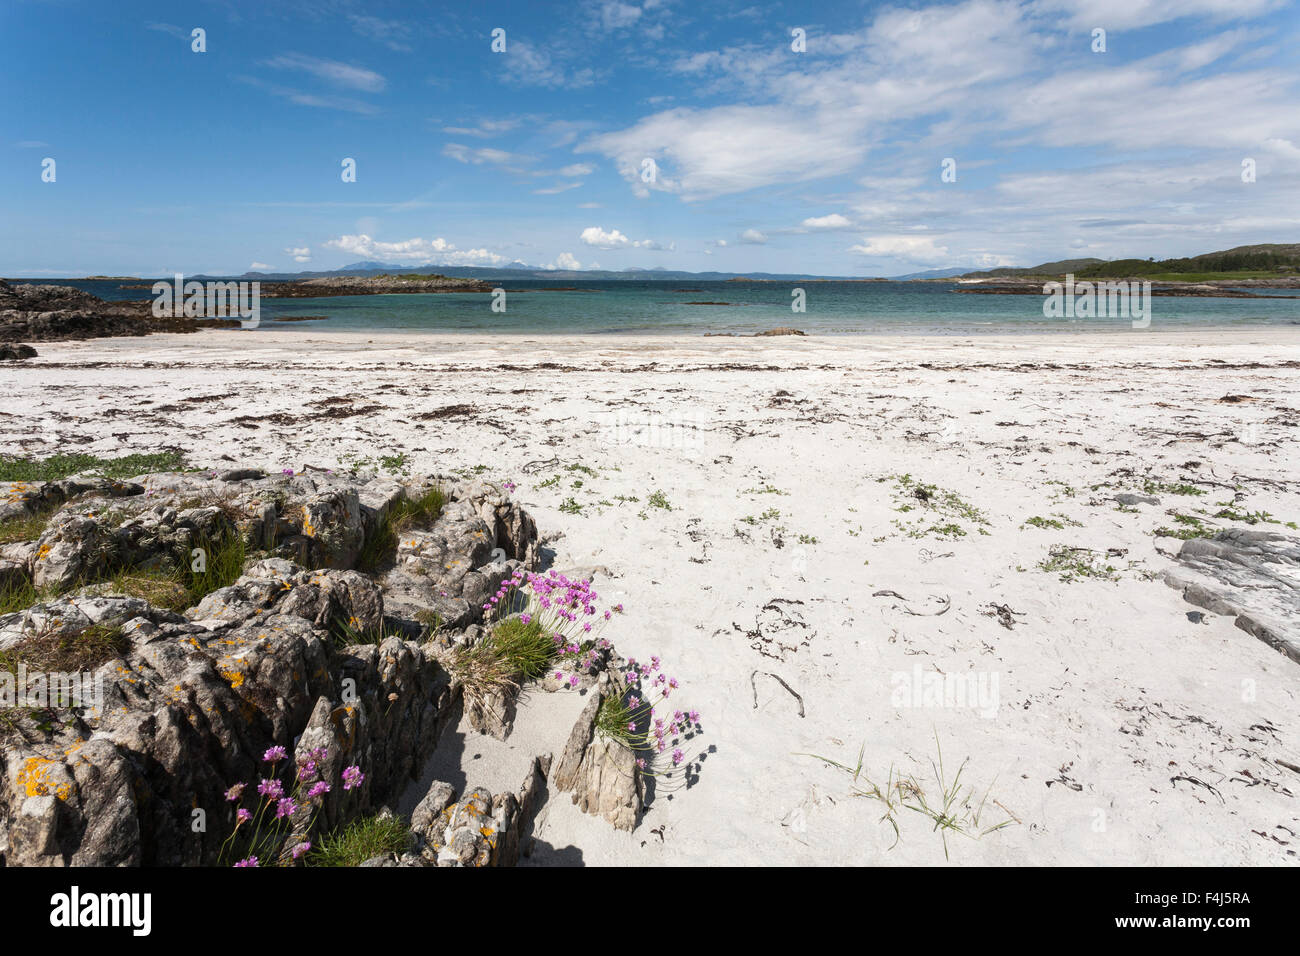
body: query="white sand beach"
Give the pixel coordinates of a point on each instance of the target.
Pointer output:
(1120, 724)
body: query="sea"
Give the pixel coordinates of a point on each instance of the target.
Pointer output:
(676, 307)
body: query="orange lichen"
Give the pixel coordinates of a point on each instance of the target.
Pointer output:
(34, 779)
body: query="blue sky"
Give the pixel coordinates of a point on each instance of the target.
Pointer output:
(826, 161)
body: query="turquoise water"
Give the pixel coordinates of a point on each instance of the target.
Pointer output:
(650, 307)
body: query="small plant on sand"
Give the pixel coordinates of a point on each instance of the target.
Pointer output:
(933, 502)
(659, 500)
(1075, 563)
(1037, 521)
(630, 718)
(1152, 487)
(360, 840)
(260, 834)
(56, 467)
(950, 810)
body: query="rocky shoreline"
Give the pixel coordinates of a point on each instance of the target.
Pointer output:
(371, 285)
(55, 313)
(339, 649)
(1200, 290)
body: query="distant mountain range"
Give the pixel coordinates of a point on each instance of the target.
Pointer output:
(520, 270)
(1280, 258)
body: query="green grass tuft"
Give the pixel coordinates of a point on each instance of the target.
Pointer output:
(360, 840)
(407, 513)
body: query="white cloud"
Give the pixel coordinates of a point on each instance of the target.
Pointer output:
(435, 251)
(523, 64)
(1131, 14)
(753, 237)
(921, 249)
(258, 267)
(332, 71)
(600, 239)
(484, 129)
(616, 16)
(705, 153)
(833, 221)
(392, 33)
(557, 188)
(566, 261)
(477, 157)
(302, 254)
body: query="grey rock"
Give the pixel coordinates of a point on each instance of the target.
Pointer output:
(1129, 499)
(601, 774)
(1252, 575)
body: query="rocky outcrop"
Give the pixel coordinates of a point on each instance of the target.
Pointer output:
(1252, 575)
(601, 774)
(371, 285)
(184, 706)
(478, 830)
(50, 313)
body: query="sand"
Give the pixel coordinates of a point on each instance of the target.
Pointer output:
(1126, 727)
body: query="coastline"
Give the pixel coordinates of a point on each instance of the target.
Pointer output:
(1112, 693)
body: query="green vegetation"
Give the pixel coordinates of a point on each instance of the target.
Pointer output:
(771, 514)
(25, 529)
(1152, 487)
(56, 467)
(514, 652)
(767, 490)
(659, 500)
(17, 594)
(570, 506)
(360, 840)
(74, 652)
(398, 464)
(950, 812)
(1076, 563)
(932, 502)
(407, 513)
(411, 276)
(430, 619)
(1040, 522)
(1265, 261)
(178, 588)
